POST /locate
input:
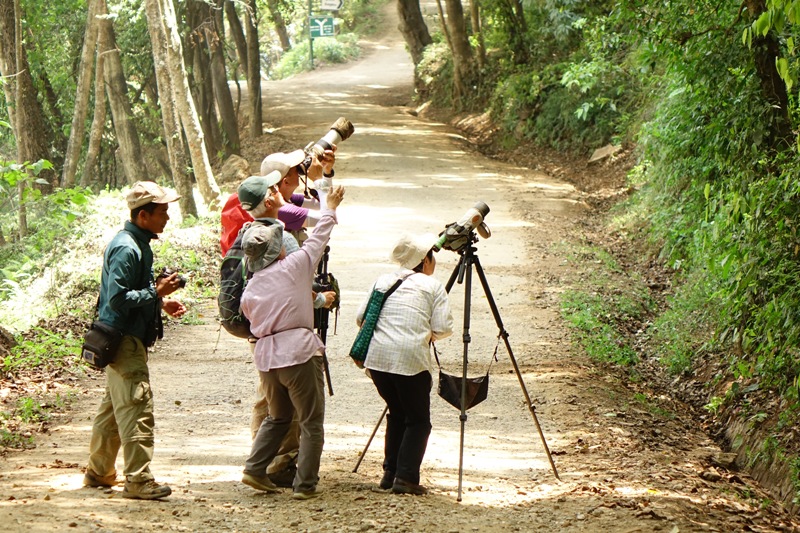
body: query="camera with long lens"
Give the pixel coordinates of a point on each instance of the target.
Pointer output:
(459, 234)
(167, 272)
(341, 130)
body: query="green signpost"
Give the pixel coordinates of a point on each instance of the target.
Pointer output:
(321, 26)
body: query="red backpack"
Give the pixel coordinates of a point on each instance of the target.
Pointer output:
(233, 218)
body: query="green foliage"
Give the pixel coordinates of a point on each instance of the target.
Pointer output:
(600, 312)
(686, 326)
(652, 406)
(339, 49)
(588, 316)
(578, 93)
(714, 404)
(51, 226)
(41, 349)
(30, 410)
(361, 16)
(435, 74)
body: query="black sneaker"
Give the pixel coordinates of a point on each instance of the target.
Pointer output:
(405, 487)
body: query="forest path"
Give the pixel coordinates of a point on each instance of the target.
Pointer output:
(624, 465)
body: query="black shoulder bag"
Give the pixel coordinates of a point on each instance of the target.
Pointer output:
(100, 344)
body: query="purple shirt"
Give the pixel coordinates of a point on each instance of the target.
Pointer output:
(278, 303)
(293, 215)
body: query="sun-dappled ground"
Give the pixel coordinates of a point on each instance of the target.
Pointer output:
(624, 465)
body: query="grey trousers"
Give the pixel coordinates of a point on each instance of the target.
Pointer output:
(287, 453)
(294, 391)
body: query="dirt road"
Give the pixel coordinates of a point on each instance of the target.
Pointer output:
(623, 468)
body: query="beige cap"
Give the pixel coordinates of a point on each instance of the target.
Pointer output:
(410, 250)
(145, 192)
(282, 162)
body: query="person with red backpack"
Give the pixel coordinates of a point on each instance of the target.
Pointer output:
(233, 218)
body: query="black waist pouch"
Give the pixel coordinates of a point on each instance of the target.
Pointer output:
(100, 345)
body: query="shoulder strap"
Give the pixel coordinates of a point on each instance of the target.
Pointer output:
(392, 289)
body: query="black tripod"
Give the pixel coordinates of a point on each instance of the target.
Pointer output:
(463, 271)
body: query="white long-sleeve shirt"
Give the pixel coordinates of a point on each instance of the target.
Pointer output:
(413, 315)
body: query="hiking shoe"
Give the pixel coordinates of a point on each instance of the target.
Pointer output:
(405, 487)
(259, 483)
(145, 490)
(307, 495)
(91, 479)
(284, 478)
(387, 480)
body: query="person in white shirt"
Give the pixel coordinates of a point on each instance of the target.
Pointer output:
(399, 359)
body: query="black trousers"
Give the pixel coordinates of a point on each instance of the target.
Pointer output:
(408, 424)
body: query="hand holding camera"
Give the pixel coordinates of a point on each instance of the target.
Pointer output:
(169, 281)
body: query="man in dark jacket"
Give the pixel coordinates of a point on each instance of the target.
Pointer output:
(131, 301)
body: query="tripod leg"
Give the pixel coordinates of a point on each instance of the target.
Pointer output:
(383, 414)
(467, 264)
(504, 334)
(454, 275)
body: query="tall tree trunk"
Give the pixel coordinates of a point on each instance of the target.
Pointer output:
(222, 93)
(279, 24)
(198, 14)
(477, 30)
(765, 51)
(254, 71)
(24, 110)
(237, 32)
(165, 13)
(54, 123)
(130, 150)
(449, 41)
(99, 117)
(460, 48)
(412, 26)
(176, 149)
(81, 98)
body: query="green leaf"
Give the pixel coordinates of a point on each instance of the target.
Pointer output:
(763, 24)
(782, 65)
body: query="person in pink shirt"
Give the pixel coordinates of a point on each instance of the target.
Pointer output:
(288, 354)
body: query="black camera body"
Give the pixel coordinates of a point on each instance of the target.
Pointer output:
(166, 272)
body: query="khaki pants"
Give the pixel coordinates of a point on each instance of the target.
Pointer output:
(125, 418)
(287, 453)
